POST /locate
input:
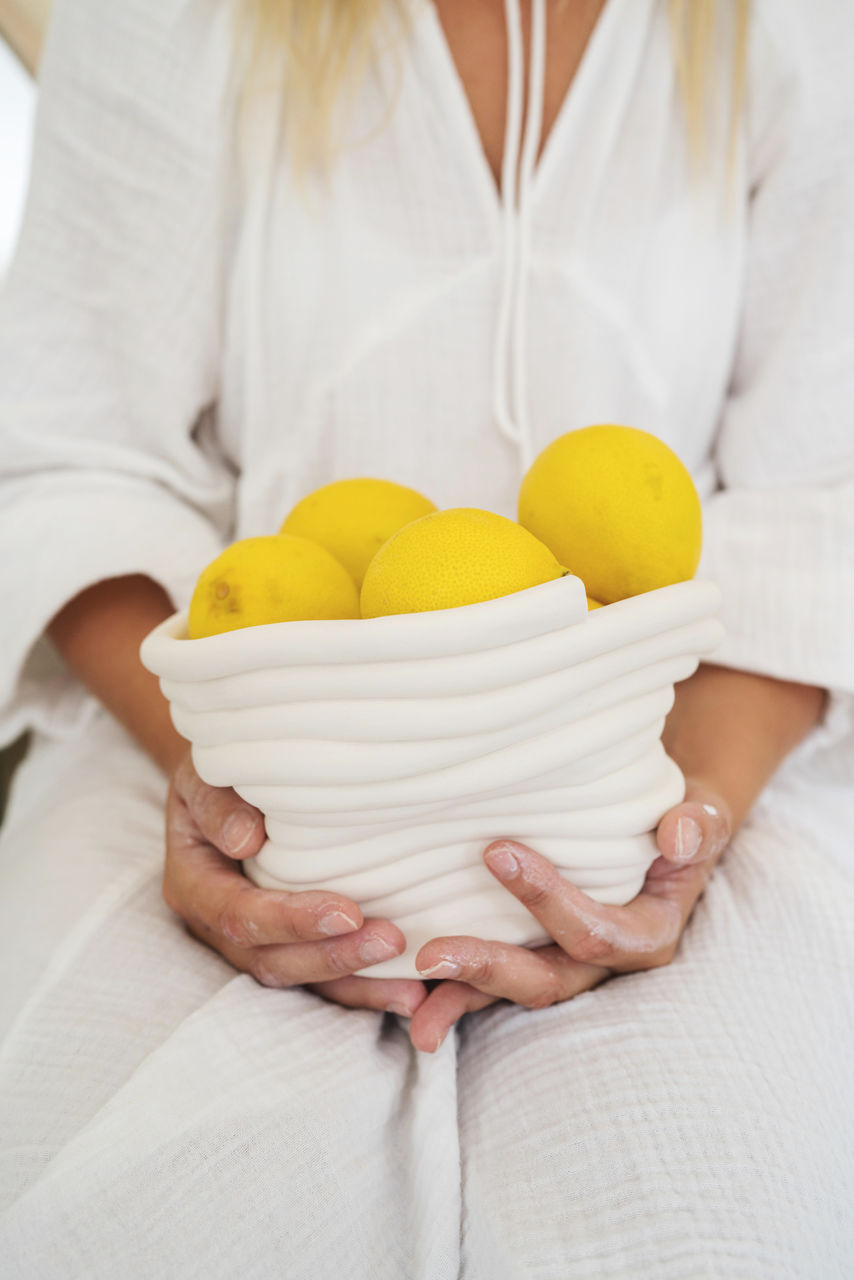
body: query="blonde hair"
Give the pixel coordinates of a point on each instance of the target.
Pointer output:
(695, 32)
(322, 49)
(318, 49)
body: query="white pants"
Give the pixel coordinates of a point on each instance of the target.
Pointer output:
(164, 1117)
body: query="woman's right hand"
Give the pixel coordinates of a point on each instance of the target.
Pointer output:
(314, 938)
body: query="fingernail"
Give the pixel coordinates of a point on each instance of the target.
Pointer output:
(441, 1040)
(238, 831)
(374, 949)
(444, 969)
(689, 836)
(501, 861)
(399, 1008)
(335, 922)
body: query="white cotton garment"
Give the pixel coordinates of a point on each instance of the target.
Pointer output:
(190, 340)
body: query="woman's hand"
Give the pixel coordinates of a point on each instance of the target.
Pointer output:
(728, 731)
(592, 941)
(283, 939)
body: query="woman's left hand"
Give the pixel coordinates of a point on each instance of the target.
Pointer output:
(591, 941)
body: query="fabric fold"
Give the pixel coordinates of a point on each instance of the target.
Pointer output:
(79, 530)
(785, 563)
(110, 332)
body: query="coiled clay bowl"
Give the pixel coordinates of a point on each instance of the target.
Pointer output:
(386, 753)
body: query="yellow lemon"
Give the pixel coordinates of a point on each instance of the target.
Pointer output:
(453, 558)
(593, 604)
(616, 505)
(272, 579)
(353, 518)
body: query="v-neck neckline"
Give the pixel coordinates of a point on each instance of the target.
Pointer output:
(582, 83)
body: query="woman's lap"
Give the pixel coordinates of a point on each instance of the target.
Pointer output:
(689, 1121)
(694, 1120)
(85, 816)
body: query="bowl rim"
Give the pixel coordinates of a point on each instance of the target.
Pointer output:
(552, 606)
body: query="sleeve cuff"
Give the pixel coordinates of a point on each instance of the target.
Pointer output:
(784, 560)
(69, 533)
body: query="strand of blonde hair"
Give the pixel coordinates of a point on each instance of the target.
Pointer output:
(320, 49)
(694, 31)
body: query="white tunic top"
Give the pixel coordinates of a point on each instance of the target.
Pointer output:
(184, 352)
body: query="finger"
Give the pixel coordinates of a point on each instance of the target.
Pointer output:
(441, 1010)
(304, 962)
(394, 995)
(680, 883)
(215, 898)
(698, 829)
(640, 935)
(223, 818)
(535, 978)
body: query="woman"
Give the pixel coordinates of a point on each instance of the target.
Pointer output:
(203, 323)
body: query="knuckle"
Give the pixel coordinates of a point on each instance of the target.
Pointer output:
(481, 970)
(546, 995)
(338, 961)
(231, 924)
(263, 974)
(592, 948)
(301, 923)
(535, 895)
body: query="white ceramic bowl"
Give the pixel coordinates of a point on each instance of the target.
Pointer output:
(385, 753)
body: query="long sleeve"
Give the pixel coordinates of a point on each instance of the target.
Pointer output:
(110, 324)
(779, 535)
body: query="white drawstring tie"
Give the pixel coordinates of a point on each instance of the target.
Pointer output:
(510, 397)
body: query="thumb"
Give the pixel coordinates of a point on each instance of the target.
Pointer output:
(218, 814)
(697, 829)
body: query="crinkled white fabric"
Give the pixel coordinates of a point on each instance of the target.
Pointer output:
(162, 1116)
(182, 355)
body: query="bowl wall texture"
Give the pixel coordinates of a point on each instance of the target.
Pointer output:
(386, 753)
